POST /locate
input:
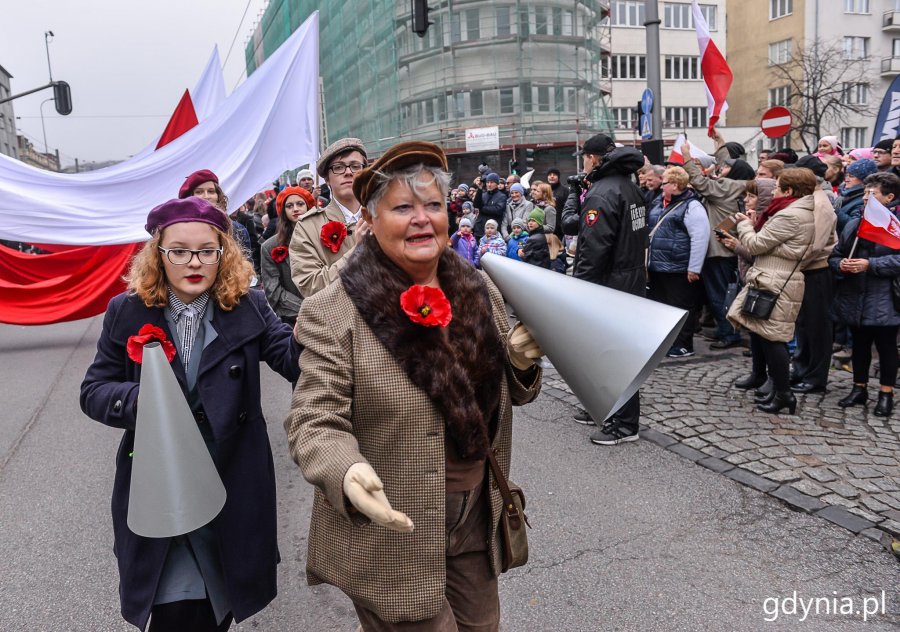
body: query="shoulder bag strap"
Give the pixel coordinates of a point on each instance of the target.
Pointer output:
(508, 506)
(796, 265)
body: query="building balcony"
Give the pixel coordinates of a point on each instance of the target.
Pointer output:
(890, 21)
(890, 66)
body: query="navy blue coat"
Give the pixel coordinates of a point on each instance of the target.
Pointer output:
(228, 383)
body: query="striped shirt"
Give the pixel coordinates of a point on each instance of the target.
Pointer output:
(187, 321)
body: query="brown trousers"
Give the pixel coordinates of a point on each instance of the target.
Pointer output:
(471, 600)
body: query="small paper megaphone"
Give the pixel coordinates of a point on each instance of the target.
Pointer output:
(603, 342)
(175, 487)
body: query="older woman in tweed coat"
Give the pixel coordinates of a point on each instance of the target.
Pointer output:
(397, 408)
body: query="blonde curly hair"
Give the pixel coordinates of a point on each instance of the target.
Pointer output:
(146, 275)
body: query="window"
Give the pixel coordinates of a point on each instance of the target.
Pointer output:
(558, 103)
(684, 117)
(677, 15)
(525, 93)
(460, 105)
(473, 31)
(442, 107)
(624, 118)
(625, 67)
(856, 47)
(541, 21)
(780, 52)
(571, 100)
(523, 22)
(682, 67)
(855, 94)
(627, 12)
(476, 104)
(854, 137)
(429, 110)
(557, 21)
(506, 101)
(503, 29)
(780, 96)
(780, 8)
(895, 48)
(856, 6)
(455, 36)
(543, 98)
(567, 27)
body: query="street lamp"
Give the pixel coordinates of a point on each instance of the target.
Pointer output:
(43, 128)
(48, 37)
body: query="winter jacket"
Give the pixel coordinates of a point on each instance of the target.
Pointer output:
(490, 205)
(612, 225)
(849, 206)
(783, 242)
(826, 237)
(541, 249)
(494, 245)
(549, 216)
(560, 193)
(281, 291)
(679, 243)
(722, 198)
(514, 211)
(514, 243)
(466, 247)
(864, 299)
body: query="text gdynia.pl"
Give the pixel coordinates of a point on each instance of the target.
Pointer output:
(804, 607)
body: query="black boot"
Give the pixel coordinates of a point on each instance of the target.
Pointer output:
(750, 381)
(766, 388)
(764, 398)
(781, 400)
(858, 395)
(885, 404)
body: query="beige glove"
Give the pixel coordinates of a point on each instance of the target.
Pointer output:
(365, 491)
(523, 349)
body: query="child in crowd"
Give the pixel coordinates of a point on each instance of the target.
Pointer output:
(463, 242)
(540, 248)
(492, 241)
(517, 239)
(469, 212)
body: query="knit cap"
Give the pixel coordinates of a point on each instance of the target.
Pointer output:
(468, 206)
(537, 215)
(491, 222)
(862, 168)
(517, 187)
(518, 222)
(465, 221)
(492, 177)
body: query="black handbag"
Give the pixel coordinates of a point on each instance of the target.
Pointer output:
(759, 303)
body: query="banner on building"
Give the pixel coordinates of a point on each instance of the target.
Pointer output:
(483, 138)
(887, 125)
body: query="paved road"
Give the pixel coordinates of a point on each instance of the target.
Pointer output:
(631, 538)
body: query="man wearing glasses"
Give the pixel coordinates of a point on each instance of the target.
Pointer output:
(881, 154)
(314, 265)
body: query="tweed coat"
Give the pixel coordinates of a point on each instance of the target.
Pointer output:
(228, 385)
(354, 403)
(784, 240)
(313, 266)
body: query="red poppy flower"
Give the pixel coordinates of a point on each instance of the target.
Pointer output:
(149, 333)
(426, 306)
(333, 235)
(279, 253)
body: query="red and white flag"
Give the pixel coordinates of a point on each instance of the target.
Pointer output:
(879, 225)
(677, 159)
(716, 73)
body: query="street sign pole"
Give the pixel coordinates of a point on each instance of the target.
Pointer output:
(654, 80)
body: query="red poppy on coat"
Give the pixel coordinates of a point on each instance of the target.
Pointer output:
(279, 253)
(426, 306)
(333, 235)
(149, 333)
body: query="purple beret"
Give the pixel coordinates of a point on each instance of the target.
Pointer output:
(195, 180)
(192, 209)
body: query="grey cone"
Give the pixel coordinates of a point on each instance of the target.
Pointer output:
(175, 487)
(603, 342)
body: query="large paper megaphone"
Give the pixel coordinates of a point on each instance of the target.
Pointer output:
(175, 487)
(603, 342)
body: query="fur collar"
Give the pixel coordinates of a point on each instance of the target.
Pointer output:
(459, 369)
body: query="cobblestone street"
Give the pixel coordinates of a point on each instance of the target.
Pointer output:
(839, 464)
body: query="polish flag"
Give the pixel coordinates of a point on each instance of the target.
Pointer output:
(716, 73)
(879, 225)
(183, 118)
(676, 158)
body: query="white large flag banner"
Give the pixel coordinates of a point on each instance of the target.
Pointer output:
(267, 125)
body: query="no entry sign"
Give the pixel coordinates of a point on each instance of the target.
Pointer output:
(776, 122)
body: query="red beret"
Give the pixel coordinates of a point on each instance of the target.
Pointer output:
(287, 192)
(192, 209)
(195, 180)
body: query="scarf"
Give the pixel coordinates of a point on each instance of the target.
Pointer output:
(775, 205)
(460, 369)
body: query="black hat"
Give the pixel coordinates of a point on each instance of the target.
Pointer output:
(553, 171)
(735, 150)
(887, 144)
(813, 164)
(599, 145)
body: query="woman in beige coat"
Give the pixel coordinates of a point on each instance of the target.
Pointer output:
(400, 401)
(779, 248)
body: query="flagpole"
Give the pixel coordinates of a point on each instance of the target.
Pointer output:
(853, 248)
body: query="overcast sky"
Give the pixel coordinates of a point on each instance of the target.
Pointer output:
(128, 63)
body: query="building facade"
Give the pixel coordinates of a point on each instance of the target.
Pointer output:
(31, 156)
(532, 68)
(683, 98)
(8, 144)
(866, 33)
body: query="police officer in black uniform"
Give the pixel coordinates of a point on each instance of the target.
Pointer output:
(611, 224)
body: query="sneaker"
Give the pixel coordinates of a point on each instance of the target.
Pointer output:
(612, 434)
(584, 418)
(679, 352)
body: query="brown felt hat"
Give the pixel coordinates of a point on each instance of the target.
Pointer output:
(398, 157)
(343, 146)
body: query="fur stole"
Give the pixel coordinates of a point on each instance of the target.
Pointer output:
(461, 369)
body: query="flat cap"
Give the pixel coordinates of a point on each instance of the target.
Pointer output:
(191, 209)
(597, 145)
(398, 157)
(338, 147)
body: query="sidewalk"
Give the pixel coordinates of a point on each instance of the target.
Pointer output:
(840, 464)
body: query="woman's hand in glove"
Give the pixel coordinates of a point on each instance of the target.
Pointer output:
(365, 491)
(523, 349)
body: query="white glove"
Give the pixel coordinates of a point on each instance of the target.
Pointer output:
(365, 491)
(523, 349)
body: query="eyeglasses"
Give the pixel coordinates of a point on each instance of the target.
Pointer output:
(183, 256)
(879, 152)
(338, 168)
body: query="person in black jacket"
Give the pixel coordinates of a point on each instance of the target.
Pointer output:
(490, 202)
(611, 224)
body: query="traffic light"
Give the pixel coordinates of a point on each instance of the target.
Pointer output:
(529, 158)
(62, 97)
(514, 167)
(420, 21)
